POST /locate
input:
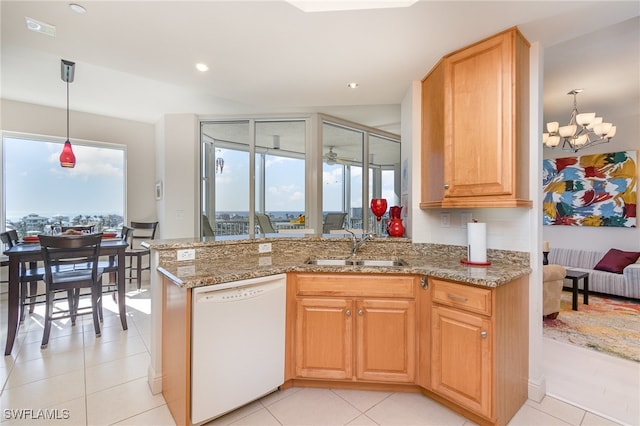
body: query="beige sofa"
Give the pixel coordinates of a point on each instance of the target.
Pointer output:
(626, 284)
(552, 281)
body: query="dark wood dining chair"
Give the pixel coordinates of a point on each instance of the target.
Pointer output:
(110, 266)
(29, 274)
(71, 264)
(140, 231)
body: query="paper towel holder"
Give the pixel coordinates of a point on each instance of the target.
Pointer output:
(470, 263)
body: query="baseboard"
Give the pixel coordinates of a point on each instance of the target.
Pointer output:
(154, 381)
(537, 390)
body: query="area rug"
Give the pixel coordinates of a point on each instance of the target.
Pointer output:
(606, 324)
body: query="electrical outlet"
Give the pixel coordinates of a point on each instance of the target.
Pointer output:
(186, 254)
(465, 218)
(445, 220)
(264, 248)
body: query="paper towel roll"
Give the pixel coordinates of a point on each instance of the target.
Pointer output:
(477, 242)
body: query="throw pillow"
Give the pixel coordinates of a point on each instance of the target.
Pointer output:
(616, 260)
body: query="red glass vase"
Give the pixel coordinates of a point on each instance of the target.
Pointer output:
(395, 228)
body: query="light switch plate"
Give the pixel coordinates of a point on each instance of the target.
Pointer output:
(445, 220)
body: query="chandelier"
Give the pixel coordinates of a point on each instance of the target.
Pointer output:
(583, 130)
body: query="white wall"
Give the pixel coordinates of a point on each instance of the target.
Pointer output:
(178, 154)
(601, 238)
(137, 137)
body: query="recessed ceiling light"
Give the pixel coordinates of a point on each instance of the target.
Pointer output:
(77, 8)
(40, 27)
(352, 85)
(202, 67)
(335, 6)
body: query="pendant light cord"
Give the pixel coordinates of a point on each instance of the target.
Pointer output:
(67, 110)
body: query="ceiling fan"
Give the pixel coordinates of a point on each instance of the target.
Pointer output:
(331, 157)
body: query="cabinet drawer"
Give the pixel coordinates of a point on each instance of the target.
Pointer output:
(356, 285)
(469, 298)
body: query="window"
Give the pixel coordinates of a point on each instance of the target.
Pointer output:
(261, 166)
(278, 174)
(38, 192)
(346, 146)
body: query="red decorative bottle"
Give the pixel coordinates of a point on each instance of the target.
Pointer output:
(395, 228)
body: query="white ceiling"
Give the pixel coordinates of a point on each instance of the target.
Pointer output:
(136, 60)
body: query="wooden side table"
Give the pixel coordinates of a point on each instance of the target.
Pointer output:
(575, 276)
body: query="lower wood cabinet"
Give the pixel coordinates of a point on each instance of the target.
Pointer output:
(341, 333)
(461, 358)
(465, 346)
(324, 338)
(480, 347)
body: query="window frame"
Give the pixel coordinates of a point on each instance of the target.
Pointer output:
(60, 141)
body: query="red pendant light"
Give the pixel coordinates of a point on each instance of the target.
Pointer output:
(67, 158)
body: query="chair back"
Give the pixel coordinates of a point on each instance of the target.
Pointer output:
(9, 238)
(70, 259)
(142, 231)
(207, 231)
(125, 234)
(264, 223)
(333, 221)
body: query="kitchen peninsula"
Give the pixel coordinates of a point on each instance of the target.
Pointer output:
(456, 333)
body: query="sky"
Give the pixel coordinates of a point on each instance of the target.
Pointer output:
(34, 182)
(285, 184)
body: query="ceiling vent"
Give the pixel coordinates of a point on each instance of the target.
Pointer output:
(40, 27)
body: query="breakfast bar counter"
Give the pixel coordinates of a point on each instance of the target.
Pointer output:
(232, 260)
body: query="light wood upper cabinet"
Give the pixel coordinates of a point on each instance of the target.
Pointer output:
(475, 107)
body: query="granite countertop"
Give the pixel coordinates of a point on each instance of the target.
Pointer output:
(226, 267)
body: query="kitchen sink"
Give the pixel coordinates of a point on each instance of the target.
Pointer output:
(379, 262)
(330, 262)
(356, 262)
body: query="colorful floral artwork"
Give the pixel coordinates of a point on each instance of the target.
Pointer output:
(591, 190)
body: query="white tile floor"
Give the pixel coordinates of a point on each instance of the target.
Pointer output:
(87, 381)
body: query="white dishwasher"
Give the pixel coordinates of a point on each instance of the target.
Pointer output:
(237, 340)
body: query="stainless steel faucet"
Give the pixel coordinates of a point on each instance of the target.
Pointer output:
(356, 244)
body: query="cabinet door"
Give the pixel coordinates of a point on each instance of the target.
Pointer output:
(432, 149)
(479, 158)
(386, 340)
(462, 358)
(324, 338)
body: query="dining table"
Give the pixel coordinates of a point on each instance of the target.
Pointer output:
(32, 252)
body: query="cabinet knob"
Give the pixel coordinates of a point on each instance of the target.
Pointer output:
(483, 334)
(446, 186)
(348, 312)
(360, 312)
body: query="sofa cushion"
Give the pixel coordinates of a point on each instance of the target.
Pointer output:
(616, 260)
